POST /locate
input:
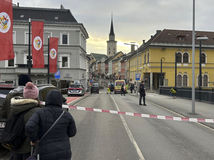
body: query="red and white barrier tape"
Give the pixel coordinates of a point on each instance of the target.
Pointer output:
(185, 119)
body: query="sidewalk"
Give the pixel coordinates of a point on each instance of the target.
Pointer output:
(182, 106)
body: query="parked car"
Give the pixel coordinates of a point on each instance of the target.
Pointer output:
(95, 88)
(76, 89)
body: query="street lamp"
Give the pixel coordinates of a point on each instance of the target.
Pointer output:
(200, 39)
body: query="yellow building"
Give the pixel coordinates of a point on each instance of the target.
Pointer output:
(165, 46)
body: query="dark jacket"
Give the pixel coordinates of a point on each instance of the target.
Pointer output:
(19, 105)
(56, 144)
(6, 106)
(142, 90)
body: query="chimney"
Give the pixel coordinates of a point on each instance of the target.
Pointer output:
(17, 4)
(158, 31)
(62, 7)
(132, 47)
(144, 41)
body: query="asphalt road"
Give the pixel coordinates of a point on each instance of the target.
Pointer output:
(104, 136)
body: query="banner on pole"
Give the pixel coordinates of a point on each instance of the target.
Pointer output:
(6, 30)
(53, 54)
(37, 44)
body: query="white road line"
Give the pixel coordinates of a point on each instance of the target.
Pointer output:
(131, 137)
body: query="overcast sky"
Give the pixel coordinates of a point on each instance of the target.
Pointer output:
(134, 20)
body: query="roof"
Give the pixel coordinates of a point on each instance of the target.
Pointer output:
(182, 37)
(46, 14)
(98, 56)
(112, 57)
(112, 28)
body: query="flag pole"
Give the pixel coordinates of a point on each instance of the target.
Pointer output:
(29, 54)
(48, 60)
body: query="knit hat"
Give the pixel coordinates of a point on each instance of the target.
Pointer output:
(23, 79)
(30, 91)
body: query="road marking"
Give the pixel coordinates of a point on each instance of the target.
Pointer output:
(131, 137)
(180, 115)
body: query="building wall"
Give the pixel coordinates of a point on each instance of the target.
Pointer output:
(74, 50)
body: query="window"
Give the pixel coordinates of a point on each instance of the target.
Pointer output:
(179, 80)
(205, 81)
(185, 58)
(203, 58)
(185, 80)
(64, 38)
(148, 58)
(178, 57)
(27, 37)
(11, 63)
(64, 61)
(46, 35)
(144, 58)
(14, 37)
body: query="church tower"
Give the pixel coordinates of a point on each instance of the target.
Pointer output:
(111, 43)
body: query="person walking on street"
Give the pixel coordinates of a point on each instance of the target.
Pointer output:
(123, 90)
(28, 104)
(142, 94)
(56, 144)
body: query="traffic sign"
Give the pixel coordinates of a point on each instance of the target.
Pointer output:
(57, 75)
(137, 76)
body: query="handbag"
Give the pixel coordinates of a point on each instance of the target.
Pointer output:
(34, 149)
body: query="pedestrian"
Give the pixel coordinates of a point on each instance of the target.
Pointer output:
(131, 87)
(28, 104)
(123, 90)
(142, 94)
(22, 80)
(56, 144)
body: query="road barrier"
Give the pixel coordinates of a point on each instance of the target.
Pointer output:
(151, 116)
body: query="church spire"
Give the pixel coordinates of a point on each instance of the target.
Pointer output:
(112, 27)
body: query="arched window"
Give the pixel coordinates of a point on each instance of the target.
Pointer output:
(185, 80)
(205, 81)
(178, 57)
(203, 58)
(179, 80)
(185, 58)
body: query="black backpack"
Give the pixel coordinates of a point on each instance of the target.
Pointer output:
(14, 132)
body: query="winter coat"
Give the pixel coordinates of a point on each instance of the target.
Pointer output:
(19, 105)
(56, 144)
(6, 105)
(142, 90)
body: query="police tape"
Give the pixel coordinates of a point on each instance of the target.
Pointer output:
(151, 116)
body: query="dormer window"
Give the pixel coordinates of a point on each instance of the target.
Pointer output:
(56, 18)
(22, 16)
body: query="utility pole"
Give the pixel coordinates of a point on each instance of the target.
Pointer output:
(29, 57)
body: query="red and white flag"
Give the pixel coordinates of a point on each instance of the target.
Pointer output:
(53, 53)
(37, 44)
(6, 30)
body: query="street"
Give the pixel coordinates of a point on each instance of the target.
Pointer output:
(107, 136)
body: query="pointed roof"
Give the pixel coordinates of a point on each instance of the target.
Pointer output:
(112, 27)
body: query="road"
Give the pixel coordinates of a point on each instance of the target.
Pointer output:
(104, 136)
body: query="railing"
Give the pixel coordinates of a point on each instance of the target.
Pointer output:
(205, 94)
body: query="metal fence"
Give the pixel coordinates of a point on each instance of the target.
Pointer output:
(200, 94)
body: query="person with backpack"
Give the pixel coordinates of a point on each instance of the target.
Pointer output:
(50, 128)
(22, 80)
(21, 110)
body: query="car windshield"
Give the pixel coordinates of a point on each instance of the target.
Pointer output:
(75, 86)
(95, 84)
